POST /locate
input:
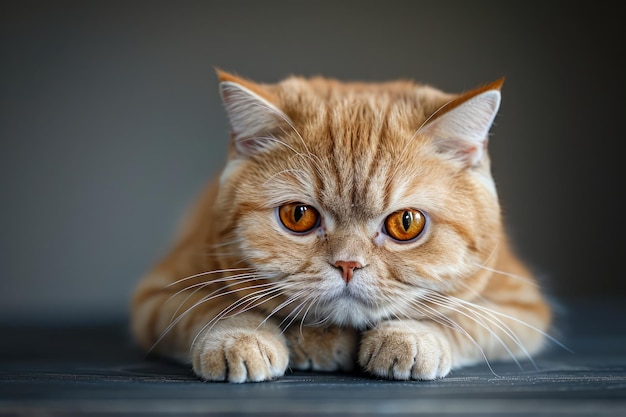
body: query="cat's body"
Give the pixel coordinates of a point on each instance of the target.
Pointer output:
(354, 225)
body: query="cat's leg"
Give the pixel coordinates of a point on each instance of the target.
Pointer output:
(242, 348)
(406, 349)
(327, 349)
(221, 343)
(478, 331)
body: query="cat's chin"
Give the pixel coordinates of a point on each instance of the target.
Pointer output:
(348, 311)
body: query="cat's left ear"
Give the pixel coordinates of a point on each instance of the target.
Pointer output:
(461, 127)
(251, 111)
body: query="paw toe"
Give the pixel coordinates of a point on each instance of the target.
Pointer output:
(242, 357)
(401, 352)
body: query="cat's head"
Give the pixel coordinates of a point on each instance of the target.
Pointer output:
(358, 199)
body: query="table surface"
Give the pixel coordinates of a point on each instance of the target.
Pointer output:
(95, 369)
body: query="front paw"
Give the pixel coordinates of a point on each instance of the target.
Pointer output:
(322, 348)
(405, 350)
(240, 355)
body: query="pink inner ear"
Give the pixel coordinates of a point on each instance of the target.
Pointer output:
(250, 146)
(464, 130)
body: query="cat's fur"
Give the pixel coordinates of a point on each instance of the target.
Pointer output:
(243, 298)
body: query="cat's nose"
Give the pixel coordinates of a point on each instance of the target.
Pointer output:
(347, 269)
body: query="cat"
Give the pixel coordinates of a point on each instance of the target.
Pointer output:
(355, 226)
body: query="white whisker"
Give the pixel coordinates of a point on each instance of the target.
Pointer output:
(446, 321)
(444, 301)
(517, 320)
(200, 302)
(251, 301)
(201, 274)
(312, 301)
(518, 277)
(241, 279)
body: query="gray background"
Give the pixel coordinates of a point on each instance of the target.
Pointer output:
(110, 123)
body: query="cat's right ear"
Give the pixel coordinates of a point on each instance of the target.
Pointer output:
(252, 113)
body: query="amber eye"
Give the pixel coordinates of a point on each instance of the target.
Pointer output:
(298, 217)
(405, 225)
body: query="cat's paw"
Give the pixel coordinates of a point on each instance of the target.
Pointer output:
(240, 355)
(405, 350)
(322, 348)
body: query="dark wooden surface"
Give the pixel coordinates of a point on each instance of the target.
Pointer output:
(96, 370)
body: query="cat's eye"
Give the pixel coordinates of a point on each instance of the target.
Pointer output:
(299, 217)
(405, 225)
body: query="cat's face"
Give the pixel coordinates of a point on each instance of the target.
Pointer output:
(353, 203)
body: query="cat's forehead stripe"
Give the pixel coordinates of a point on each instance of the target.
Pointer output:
(355, 155)
(354, 138)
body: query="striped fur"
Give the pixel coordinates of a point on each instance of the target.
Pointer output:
(242, 298)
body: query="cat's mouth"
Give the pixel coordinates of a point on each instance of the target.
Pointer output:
(351, 293)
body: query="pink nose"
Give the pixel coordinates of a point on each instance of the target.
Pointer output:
(347, 269)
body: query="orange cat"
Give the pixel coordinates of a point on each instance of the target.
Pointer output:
(354, 225)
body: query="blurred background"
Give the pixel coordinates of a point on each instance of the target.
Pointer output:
(111, 123)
